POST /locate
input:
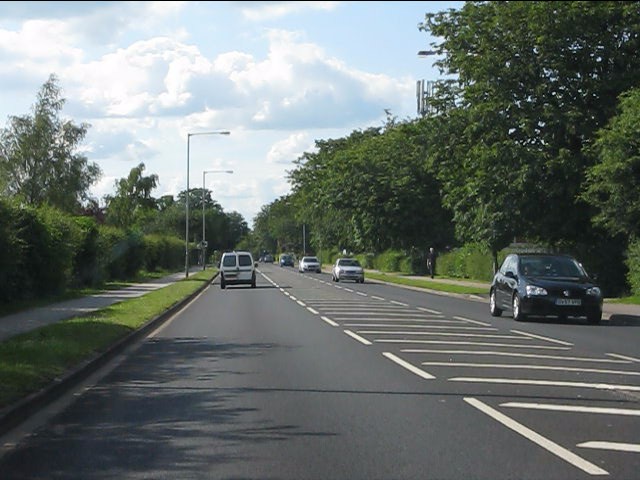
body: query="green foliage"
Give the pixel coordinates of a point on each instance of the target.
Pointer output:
(162, 253)
(11, 252)
(132, 199)
(86, 259)
(633, 265)
(534, 81)
(473, 261)
(613, 183)
(122, 252)
(38, 158)
(393, 261)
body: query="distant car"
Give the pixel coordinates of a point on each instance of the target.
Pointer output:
(309, 264)
(286, 260)
(237, 268)
(268, 258)
(545, 284)
(347, 269)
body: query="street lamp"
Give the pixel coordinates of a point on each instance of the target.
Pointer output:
(186, 234)
(204, 245)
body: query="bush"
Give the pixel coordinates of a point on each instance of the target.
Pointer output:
(633, 266)
(11, 251)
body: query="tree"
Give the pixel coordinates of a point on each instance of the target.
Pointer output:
(613, 183)
(38, 157)
(534, 82)
(132, 199)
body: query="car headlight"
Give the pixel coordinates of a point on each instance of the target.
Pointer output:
(594, 291)
(532, 290)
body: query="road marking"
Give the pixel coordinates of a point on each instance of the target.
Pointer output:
(286, 293)
(477, 322)
(376, 297)
(315, 312)
(424, 320)
(452, 327)
(532, 367)
(441, 334)
(509, 354)
(620, 447)
(338, 287)
(302, 304)
(348, 290)
(428, 310)
(329, 321)
(357, 337)
(455, 342)
(573, 408)
(374, 312)
(540, 337)
(552, 383)
(535, 437)
(624, 357)
(293, 298)
(399, 303)
(408, 366)
(363, 294)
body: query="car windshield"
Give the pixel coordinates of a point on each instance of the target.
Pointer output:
(550, 266)
(348, 263)
(311, 260)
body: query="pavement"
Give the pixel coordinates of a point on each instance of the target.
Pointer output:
(27, 320)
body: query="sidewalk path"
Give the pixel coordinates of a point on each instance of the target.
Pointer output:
(31, 319)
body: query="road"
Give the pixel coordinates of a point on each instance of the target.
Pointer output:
(303, 378)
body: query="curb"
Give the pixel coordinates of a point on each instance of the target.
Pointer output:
(14, 415)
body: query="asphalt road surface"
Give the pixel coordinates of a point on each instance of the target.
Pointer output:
(304, 378)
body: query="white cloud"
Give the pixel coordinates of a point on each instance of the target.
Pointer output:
(260, 11)
(289, 149)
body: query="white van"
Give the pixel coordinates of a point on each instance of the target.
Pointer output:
(237, 268)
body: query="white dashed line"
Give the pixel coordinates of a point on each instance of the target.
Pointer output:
(624, 357)
(540, 337)
(408, 366)
(509, 354)
(515, 381)
(315, 312)
(364, 341)
(545, 443)
(302, 304)
(375, 297)
(476, 322)
(428, 310)
(619, 447)
(399, 303)
(531, 367)
(572, 408)
(362, 294)
(329, 321)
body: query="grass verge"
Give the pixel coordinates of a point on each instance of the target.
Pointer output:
(31, 361)
(429, 284)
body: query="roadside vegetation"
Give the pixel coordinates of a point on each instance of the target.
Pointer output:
(34, 360)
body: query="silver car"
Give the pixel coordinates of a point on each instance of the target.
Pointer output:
(347, 269)
(309, 264)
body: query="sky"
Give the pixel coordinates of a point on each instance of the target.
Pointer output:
(151, 77)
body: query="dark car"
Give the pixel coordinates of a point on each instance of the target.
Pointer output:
(545, 285)
(286, 260)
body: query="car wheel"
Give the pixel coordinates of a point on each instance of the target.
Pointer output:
(362, 280)
(594, 318)
(337, 278)
(493, 307)
(222, 283)
(518, 316)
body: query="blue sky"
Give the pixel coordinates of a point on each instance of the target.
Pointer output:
(277, 75)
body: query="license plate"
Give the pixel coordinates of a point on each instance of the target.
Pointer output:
(574, 302)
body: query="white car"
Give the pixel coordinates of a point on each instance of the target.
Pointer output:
(309, 264)
(347, 269)
(237, 268)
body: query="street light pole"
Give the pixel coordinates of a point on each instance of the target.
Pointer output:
(204, 246)
(186, 233)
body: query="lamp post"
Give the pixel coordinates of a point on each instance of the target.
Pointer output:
(204, 245)
(186, 234)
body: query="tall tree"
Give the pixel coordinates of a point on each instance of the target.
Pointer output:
(132, 197)
(38, 155)
(533, 82)
(613, 185)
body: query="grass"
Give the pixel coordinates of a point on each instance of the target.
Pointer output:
(635, 300)
(31, 361)
(429, 284)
